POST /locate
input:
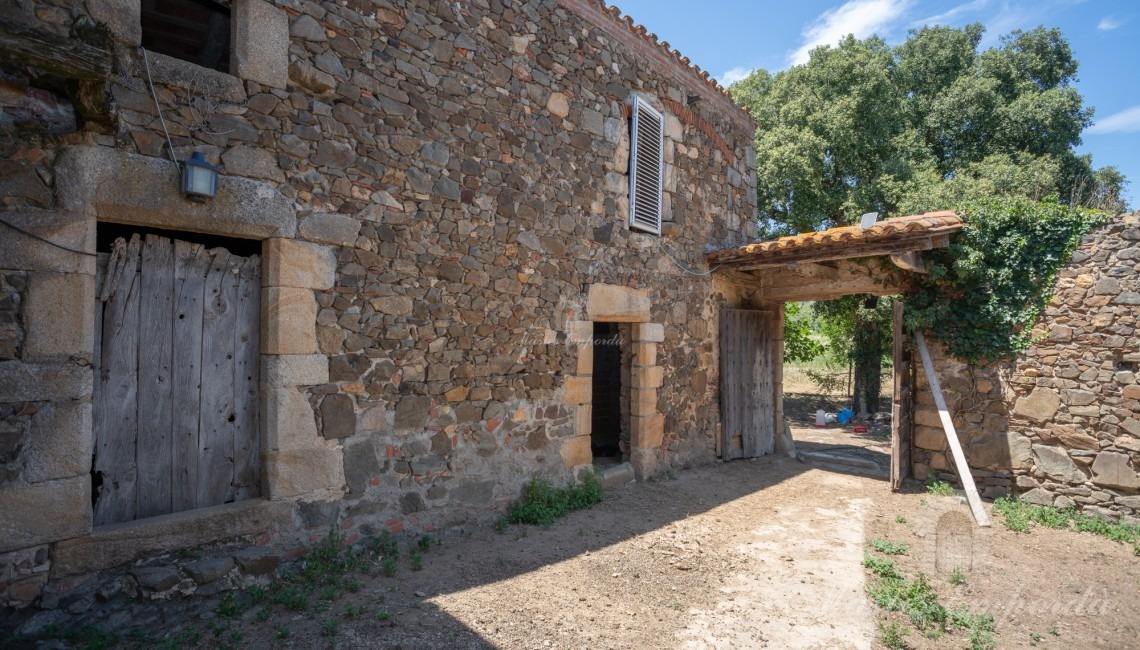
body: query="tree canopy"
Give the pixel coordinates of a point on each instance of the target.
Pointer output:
(926, 125)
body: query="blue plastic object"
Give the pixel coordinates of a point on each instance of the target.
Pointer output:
(844, 416)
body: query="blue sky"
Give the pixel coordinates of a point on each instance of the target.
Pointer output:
(729, 38)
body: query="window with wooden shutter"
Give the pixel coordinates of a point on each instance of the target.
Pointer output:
(646, 168)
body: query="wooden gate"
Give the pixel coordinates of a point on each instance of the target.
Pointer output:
(747, 383)
(176, 379)
(902, 407)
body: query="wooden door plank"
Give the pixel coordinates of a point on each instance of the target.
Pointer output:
(751, 339)
(155, 455)
(190, 266)
(952, 436)
(115, 415)
(247, 447)
(767, 404)
(215, 434)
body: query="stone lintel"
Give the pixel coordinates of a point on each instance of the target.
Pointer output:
(127, 188)
(612, 303)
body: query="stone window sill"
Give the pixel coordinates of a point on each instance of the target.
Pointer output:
(198, 80)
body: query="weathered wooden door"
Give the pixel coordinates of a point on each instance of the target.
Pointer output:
(176, 379)
(902, 411)
(747, 383)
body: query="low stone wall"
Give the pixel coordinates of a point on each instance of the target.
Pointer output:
(1060, 424)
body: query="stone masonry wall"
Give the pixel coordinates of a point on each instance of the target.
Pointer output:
(1059, 425)
(454, 179)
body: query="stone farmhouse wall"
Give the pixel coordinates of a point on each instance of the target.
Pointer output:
(440, 192)
(1059, 425)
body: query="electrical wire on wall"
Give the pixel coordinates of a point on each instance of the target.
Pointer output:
(682, 266)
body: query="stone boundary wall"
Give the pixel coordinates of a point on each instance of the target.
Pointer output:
(436, 188)
(1059, 425)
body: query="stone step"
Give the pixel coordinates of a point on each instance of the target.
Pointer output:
(616, 475)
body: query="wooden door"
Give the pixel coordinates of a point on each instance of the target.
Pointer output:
(176, 379)
(902, 410)
(747, 383)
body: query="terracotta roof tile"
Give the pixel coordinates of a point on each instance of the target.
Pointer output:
(844, 241)
(651, 38)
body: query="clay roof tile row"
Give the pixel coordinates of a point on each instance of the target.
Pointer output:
(888, 230)
(651, 38)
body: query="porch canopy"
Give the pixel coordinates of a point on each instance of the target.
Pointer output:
(837, 262)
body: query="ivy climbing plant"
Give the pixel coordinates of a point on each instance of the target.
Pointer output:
(984, 292)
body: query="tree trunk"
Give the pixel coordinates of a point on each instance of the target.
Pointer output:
(868, 355)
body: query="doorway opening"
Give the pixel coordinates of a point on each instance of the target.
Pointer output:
(609, 425)
(837, 404)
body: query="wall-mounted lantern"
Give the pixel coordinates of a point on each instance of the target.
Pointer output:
(199, 178)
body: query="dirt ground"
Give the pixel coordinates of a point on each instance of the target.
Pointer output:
(748, 554)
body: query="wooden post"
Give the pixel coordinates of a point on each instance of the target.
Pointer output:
(899, 367)
(952, 436)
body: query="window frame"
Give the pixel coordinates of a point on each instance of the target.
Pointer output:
(640, 107)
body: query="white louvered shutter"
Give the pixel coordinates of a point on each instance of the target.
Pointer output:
(646, 168)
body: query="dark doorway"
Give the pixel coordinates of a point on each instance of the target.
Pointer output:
(606, 424)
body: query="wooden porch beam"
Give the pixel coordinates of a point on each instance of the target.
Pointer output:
(68, 58)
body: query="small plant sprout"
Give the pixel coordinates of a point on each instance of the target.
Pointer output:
(283, 632)
(957, 577)
(940, 488)
(899, 519)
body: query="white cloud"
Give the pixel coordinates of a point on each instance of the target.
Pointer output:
(947, 16)
(859, 17)
(733, 75)
(1109, 23)
(1126, 121)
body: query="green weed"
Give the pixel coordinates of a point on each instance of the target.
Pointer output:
(889, 547)
(957, 577)
(330, 628)
(979, 627)
(417, 559)
(230, 607)
(892, 635)
(543, 504)
(388, 565)
(283, 632)
(899, 519)
(424, 543)
(383, 615)
(881, 567)
(1017, 515)
(940, 488)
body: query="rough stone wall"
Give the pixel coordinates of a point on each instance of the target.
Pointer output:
(1060, 424)
(466, 165)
